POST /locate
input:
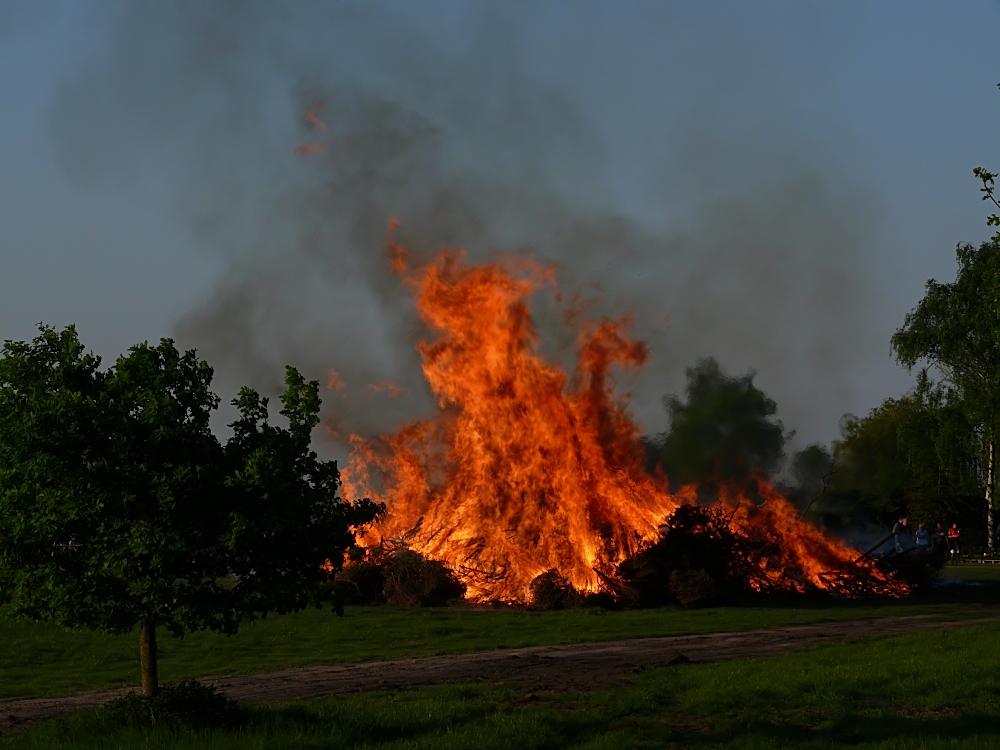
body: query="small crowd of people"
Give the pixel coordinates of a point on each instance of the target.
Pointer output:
(938, 538)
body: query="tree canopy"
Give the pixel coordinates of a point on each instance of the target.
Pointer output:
(119, 506)
(919, 454)
(956, 329)
(723, 430)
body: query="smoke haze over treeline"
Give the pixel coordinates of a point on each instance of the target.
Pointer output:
(688, 165)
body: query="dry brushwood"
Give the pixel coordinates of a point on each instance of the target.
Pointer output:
(696, 538)
(411, 580)
(693, 588)
(550, 590)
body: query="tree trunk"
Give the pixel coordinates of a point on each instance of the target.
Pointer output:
(147, 656)
(990, 471)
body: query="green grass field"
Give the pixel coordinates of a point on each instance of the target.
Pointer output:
(917, 691)
(972, 572)
(40, 659)
(925, 690)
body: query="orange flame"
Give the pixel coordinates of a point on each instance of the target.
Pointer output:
(524, 469)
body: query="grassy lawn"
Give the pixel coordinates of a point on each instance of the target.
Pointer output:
(41, 659)
(925, 690)
(972, 572)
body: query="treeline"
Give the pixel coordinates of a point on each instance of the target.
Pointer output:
(929, 454)
(921, 454)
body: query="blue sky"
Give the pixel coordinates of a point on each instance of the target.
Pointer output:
(776, 180)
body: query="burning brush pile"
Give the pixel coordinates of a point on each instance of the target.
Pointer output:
(529, 486)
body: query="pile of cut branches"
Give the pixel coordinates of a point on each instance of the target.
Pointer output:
(396, 575)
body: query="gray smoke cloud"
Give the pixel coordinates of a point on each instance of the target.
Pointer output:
(753, 240)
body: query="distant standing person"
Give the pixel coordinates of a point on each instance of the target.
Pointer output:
(938, 538)
(954, 545)
(923, 537)
(901, 533)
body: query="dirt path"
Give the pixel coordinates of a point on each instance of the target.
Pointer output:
(581, 666)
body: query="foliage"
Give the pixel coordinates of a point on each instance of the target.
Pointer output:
(811, 468)
(956, 327)
(918, 455)
(119, 506)
(931, 453)
(109, 488)
(285, 519)
(989, 194)
(184, 704)
(362, 581)
(724, 430)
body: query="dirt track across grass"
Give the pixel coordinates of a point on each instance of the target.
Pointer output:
(540, 669)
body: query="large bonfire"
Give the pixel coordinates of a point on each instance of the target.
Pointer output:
(524, 469)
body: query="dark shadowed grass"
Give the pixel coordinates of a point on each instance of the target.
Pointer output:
(925, 690)
(39, 659)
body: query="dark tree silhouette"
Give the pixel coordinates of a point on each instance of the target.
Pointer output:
(119, 508)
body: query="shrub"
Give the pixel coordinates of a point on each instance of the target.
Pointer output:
(187, 703)
(362, 583)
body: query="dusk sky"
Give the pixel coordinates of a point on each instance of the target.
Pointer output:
(767, 183)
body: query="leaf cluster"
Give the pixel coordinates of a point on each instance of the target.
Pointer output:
(956, 328)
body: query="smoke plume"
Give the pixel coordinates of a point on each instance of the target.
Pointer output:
(289, 134)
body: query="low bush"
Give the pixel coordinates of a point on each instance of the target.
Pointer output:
(361, 582)
(188, 704)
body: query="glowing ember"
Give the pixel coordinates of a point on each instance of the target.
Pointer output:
(524, 469)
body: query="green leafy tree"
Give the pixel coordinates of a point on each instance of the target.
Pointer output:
(286, 521)
(724, 430)
(918, 454)
(956, 328)
(119, 508)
